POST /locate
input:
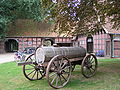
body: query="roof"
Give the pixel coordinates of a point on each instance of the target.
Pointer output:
(108, 27)
(26, 27)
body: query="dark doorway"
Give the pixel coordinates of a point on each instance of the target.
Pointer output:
(11, 45)
(90, 44)
(64, 44)
(48, 42)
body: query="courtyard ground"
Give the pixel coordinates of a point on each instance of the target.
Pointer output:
(6, 57)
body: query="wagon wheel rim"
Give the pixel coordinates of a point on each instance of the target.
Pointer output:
(89, 66)
(58, 72)
(33, 71)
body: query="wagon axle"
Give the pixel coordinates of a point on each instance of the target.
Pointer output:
(59, 72)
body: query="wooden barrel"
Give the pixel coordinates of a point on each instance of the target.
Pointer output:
(44, 54)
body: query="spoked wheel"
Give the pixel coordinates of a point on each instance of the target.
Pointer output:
(89, 65)
(33, 71)
(58, 72)
(73, 67)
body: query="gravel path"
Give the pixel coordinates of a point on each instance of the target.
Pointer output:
(7, 57)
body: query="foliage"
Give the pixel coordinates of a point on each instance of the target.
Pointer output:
(112, 10)
(11, 10)
(83, 16)
(71, 17)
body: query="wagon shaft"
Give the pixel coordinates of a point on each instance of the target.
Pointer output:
(24, 63)
(44, 54)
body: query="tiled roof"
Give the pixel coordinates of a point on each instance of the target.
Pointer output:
(108, 27)
(30, 28)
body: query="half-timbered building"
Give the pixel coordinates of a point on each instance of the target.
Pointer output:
(28, 33)
(106, 40)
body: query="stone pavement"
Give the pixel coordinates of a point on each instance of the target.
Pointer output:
(103, 58)
(7, 57)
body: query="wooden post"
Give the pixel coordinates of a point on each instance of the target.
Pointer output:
(2, 48)
(23, 46)
(112, 46)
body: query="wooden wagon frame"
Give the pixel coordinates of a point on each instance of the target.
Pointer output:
(58, 69)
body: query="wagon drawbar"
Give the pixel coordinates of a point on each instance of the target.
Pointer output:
(57, 63)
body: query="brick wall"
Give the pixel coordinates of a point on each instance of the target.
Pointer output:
(81, 41)
(100, 42)
(29, 42)
(63, 39)
(38, 41)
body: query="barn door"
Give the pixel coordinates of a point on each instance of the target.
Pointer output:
(117, 48)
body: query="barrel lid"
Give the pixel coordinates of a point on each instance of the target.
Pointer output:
(40, 55)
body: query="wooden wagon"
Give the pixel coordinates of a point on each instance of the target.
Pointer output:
(57, 63)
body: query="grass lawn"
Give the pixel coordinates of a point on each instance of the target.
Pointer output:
(107, 78)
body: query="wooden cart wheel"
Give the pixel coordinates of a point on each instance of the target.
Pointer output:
(73, 67)
(58, 71)
(33, 71)
(89, 65)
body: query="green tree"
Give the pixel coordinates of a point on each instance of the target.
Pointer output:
(10, 10)
(111, 8)
(82, 16)
(69, 16)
